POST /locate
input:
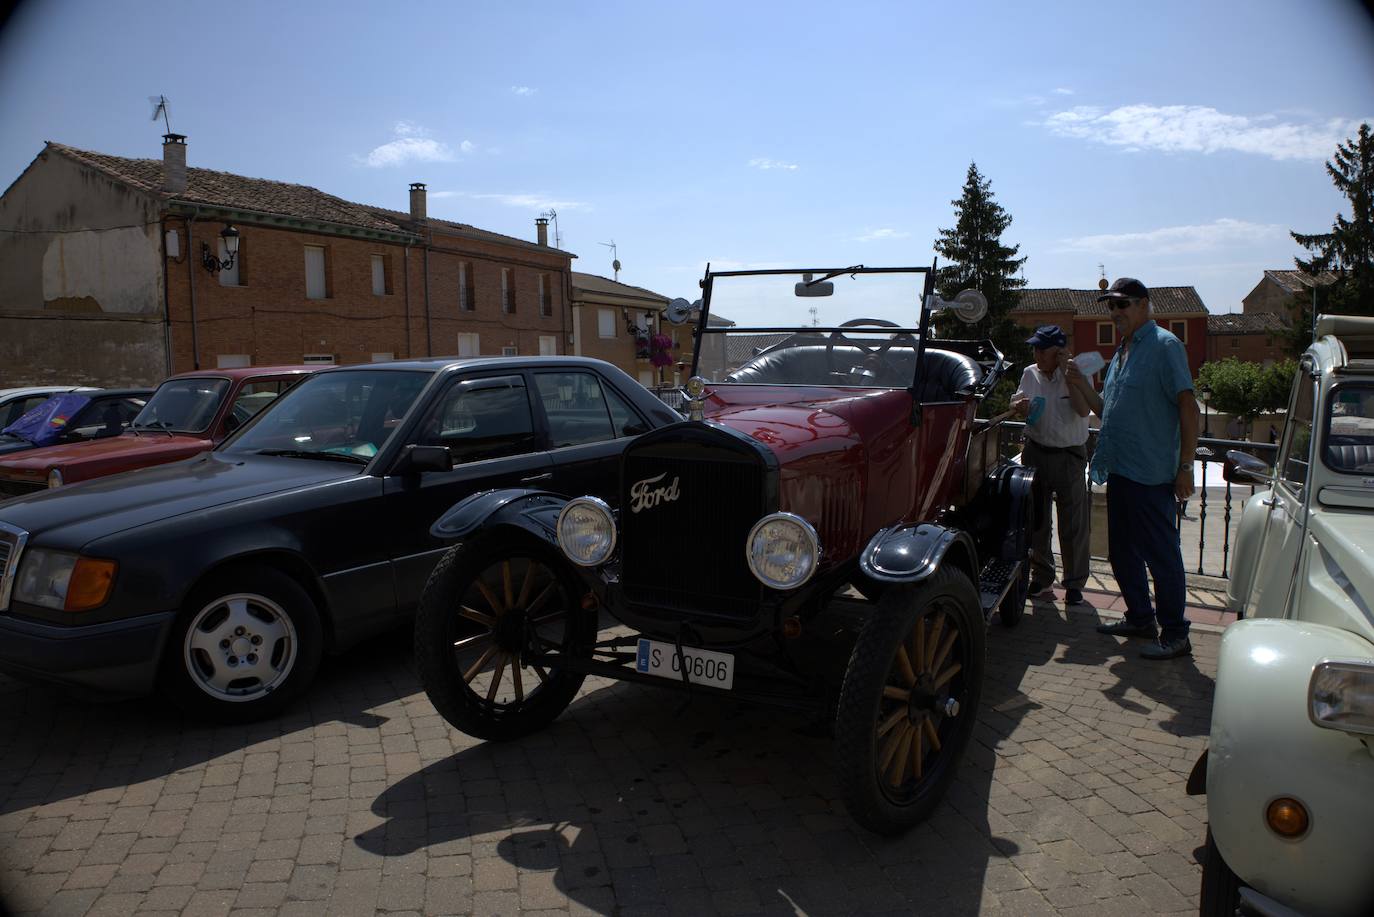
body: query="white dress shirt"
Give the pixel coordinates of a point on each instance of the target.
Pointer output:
(1058, 425)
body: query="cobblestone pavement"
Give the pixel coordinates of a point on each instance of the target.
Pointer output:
(361, 799)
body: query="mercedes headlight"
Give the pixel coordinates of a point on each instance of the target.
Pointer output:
(56, 579)
(782, 550)
(54, 478)
(586, 531)
(1341, 696)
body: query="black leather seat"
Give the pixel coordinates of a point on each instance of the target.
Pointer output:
(945, 375)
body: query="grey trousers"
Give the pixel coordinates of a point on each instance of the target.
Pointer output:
(1061, 480)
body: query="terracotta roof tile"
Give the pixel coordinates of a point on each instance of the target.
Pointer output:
(595, 283)
(1246, 323)
(1164, 300)
(1298, 281)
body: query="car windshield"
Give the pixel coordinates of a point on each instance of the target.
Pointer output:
(183, 405)
(868, 352)
(348, 414)
(1349, 446)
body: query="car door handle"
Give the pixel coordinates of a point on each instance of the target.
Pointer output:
(1268, 501)
(534, 479)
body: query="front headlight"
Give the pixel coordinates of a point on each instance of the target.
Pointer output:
(782, 550)
(54, 478)
(55, 579)
(1341, 696)
(586, 531)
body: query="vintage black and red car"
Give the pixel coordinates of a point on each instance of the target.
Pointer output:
(830, 531)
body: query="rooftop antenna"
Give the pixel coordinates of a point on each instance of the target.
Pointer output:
(1102, 279)
(160, 108)
(552, 214)
(814, 320)
(615, 262)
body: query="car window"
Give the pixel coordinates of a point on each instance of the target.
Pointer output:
(351, 413)
(1295, 452)
(104, 417)
(19, 407)
(183, 405)
(1349, 441)
(253, 397)
(576, 407)
(625, 419)
(481, 419)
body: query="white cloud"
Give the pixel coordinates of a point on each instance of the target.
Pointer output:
(1199, 129)
(1174, 240)
(413, 143)
(525, 201)
(1063, 91)
(877, 235)
(523, 90)
(762, 163)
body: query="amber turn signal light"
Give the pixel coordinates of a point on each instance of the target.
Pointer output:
(1286, 817)
(90, 584)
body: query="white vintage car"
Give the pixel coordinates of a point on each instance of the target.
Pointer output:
(1289, 771)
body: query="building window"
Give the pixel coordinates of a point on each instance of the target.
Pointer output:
(469, 344)
(507, 291)
(1235, 343)
(510, 351)
(465, 300)
(548, 345)
(1179, 329)
(1106, 333)
(324, 359)
(605, 322)
(316, 284)
(381, 283)
(385, 357)
(545, 299)
(233, 361)
(231, 276)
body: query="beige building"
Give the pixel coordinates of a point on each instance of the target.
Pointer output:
(616, 322)
(1277, 291)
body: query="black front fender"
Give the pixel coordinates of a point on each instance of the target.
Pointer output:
(911, 553)
(532, 511)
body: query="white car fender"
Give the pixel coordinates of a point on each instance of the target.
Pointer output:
(1249, 534)
(1264, 746)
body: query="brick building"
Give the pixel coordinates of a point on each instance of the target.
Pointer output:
(1254, 337)
(614, 321)
(1088, 323)
(103, 275)
(1278, 292)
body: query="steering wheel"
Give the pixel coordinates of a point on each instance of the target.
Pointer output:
(873, 353)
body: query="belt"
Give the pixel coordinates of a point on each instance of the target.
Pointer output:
(1080, 451)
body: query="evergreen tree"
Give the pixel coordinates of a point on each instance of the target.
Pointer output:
(1348, 249)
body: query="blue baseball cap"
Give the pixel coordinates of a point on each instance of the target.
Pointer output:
(1048, 336)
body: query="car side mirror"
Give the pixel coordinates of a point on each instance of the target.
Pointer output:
(1244, 468)
(418, 458)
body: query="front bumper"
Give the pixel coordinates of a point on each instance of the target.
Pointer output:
(117, 658)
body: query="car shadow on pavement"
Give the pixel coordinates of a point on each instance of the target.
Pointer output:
(627, 802)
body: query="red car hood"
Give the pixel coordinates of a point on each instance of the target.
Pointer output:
(99, 457)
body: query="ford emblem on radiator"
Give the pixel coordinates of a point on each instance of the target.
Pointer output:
(643, 495)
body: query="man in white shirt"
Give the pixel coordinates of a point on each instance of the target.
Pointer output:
(1056, 447)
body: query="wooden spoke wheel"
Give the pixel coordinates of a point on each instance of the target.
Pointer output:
(909, 701)
(489, 607)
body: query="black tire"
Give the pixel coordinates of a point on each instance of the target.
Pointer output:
(471, 599)
(246, 643)
(876, 734)
(1220, 893)
(1014, 602)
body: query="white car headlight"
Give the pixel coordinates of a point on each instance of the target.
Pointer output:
(782, 550)
(1341, 696)
(44, 577)
(586, 531)
(54, 478)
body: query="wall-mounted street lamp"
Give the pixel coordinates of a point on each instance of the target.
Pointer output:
(230, 235)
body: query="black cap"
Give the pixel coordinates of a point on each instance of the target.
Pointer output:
(1126, 288)
(1048, 336)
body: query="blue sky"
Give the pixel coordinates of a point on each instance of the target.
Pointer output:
(1174, 142)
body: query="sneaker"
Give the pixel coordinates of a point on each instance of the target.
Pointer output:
(1124, 628)
(1040, 590)
(1168, 649)
(1073, 597)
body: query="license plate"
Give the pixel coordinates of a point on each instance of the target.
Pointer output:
(704, 667)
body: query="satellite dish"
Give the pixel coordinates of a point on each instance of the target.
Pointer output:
(678, 311)
(970, 306)
(615, 265)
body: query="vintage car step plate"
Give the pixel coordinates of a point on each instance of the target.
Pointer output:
(704, 667)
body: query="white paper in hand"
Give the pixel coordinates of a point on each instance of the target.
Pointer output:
(1089, 362)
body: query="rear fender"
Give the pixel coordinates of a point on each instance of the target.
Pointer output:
(912, 553)
(532, 511)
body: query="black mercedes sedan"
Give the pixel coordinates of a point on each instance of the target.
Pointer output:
(222, 579)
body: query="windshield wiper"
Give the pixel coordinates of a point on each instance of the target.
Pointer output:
(162, 425)
(306, 453)
(848, 270)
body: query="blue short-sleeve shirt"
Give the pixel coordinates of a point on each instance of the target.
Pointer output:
(1139, 438)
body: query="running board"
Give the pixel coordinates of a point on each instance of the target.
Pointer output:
(995, 581)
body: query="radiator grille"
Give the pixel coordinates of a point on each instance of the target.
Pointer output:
(20, 488)
(687, 555)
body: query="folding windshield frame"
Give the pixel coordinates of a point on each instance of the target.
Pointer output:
(922, 332)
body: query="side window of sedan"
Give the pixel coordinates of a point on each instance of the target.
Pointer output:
(575, 404)
(482, 419)
(1295, 454)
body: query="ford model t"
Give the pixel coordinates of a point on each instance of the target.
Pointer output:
(830, 531)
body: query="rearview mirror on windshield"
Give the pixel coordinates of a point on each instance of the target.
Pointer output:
(809, 287)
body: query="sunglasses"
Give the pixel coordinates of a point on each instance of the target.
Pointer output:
(1122, 303)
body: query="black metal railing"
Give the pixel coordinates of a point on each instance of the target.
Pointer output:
(1211, 453)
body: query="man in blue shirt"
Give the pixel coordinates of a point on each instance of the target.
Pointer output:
(1145, 455)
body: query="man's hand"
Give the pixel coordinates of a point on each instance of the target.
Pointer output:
(1183, 483)
(1020, 405)
(1073, 374)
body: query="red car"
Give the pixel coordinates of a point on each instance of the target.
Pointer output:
(188, 414)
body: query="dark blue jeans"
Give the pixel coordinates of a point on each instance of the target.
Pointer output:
(1141, 533)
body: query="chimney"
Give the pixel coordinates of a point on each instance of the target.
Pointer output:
(417, 202)
(174, 163)
(541, 226)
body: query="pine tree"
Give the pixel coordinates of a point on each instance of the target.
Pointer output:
(976, 259)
